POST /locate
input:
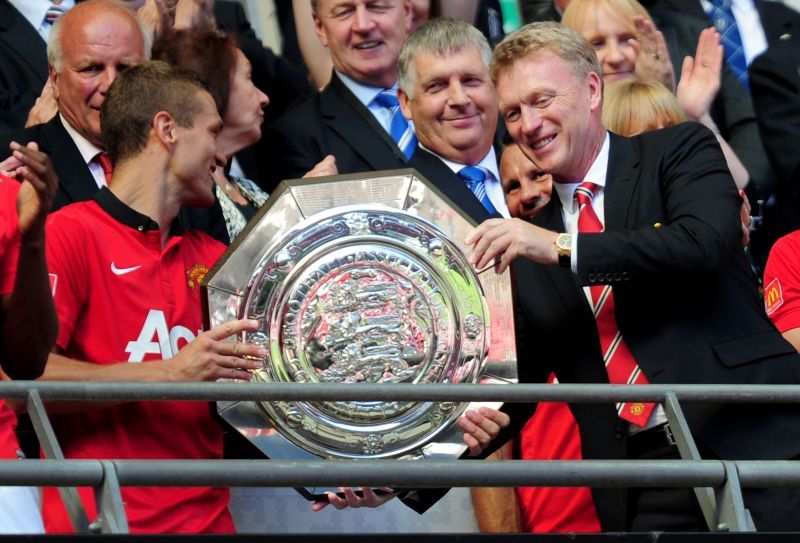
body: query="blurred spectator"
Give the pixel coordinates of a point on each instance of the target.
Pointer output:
(775, 88)
(106, 38)
(628, 45)
(24, 29)
(356, 118)
(221, 64)
(527, 188)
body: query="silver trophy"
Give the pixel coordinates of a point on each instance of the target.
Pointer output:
(362, 279)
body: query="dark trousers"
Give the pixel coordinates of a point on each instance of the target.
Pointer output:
(677, 509)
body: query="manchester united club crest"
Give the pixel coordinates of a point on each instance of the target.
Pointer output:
(637, 409)
(195, 274)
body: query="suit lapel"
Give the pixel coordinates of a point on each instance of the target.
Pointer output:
(622, 177)
(18, 35)
(75, 179)
(350, 119)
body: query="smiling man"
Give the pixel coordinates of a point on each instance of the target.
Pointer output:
(355, 118)
(445, 88)
(635, 273)
(125, 281)
(87, 49)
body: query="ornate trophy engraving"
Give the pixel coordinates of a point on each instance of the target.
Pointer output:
(362, 279)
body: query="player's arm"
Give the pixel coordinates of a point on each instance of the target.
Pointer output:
(207, 358)
(496, 508)
(29, 324)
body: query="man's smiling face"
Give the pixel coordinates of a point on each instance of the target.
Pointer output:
(364, 37)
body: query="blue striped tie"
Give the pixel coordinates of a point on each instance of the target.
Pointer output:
(721, 15)
(476, 179)
(399, 128)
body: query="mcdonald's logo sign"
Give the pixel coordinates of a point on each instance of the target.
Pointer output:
(773, 296)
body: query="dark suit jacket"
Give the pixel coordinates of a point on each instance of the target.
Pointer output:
(684, 297)
(775, 88)
(777, 19)
(331, 122)
(76, 183)
(23, 67)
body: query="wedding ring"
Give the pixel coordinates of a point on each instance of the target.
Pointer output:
(655, 55)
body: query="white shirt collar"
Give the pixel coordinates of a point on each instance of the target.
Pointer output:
(493, 187)
(87, 149)
(365, 93)
(596, 174)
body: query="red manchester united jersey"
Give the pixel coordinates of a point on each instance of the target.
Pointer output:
(9, 254)
(122, 298)
(782, 283)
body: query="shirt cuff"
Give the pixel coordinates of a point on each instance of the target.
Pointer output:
(573, 256)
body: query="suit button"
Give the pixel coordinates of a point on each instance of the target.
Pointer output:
(626, 276)
(592, 278)
(609, 277)
(617, 276)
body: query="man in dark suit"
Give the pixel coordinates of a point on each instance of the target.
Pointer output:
(445, 89)
(90, 45)
(23, 66)
(347, 119)
(775, 88)
(667, 239)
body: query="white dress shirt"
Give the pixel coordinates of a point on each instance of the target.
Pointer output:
(88, 151)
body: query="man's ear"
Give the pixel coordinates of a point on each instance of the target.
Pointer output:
(164, 128)
(405, 103)
(53, 76)
(319, 30)
(595, 91)
(408, 16)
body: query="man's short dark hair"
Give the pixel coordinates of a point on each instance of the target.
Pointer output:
(137, 95)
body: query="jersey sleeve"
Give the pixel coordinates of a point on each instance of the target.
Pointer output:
(782, 283)
(68, 274)
(9, 234)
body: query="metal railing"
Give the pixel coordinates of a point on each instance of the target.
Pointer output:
(717, 483)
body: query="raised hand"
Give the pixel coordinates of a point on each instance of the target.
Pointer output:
(39, 187)
(653, 63)
(701, 75)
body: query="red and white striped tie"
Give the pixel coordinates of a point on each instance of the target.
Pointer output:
(620, 364)
(55, 11)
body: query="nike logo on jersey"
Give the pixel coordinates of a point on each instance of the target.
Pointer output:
(122, 271)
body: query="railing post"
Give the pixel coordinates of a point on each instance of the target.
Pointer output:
(688, 451)
(111, 517)
(47, 439)
(733, 517)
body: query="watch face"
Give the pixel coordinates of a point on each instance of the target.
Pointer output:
(564, 241)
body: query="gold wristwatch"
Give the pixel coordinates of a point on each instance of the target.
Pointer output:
(564, 250)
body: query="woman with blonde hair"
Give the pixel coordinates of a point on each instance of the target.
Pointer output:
(628, 46)
(633, 106)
